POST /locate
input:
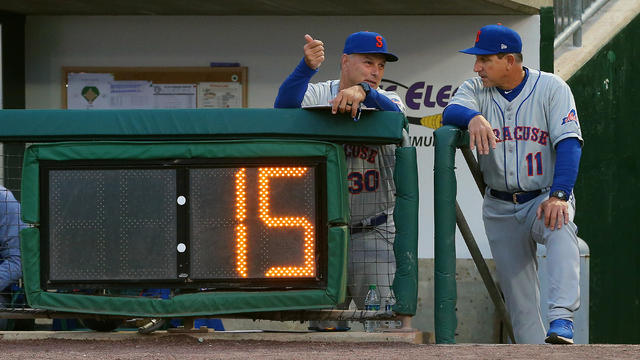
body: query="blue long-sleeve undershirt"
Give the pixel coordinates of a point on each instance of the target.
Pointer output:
(292, 90)
(458, 115)
(378, 101)
(568, 153)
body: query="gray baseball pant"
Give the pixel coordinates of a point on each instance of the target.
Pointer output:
(513, 231)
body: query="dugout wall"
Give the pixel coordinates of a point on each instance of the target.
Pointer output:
(237, 133)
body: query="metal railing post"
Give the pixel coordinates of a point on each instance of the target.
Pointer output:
(577, 16)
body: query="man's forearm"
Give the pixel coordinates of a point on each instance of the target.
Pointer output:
(568, 153)
(380, 102)
(458, 115)
(292, 90)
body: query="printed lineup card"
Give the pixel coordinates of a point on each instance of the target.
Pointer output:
(174, 96)
(219, 95)
(131, 94)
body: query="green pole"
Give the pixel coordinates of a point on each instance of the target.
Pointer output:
(405, 246)
(445, 295)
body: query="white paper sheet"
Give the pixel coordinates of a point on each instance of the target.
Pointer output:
(174, 96)
(219, 95)
(131, 94)
(89, 91)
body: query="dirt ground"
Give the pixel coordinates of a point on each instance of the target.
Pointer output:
(187, 348)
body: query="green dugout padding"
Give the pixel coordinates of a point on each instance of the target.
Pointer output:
(405, 246)
(376, 127)
(217, 133)
(447, 139)
(204, 303)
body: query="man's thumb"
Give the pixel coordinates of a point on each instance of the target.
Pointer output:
(308, 38)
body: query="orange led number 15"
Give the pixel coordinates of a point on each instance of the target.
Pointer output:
(264, 176)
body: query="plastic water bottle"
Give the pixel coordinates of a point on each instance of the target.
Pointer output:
(388, 309)
(371, 303)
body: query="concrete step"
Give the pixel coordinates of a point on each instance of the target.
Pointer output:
(414, 337)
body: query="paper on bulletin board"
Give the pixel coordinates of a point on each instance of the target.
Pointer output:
(219, 95)
(89, 91)
(131, 94)
(174, 96)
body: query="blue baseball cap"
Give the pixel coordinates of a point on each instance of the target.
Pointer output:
(366, 42)
(495, 39)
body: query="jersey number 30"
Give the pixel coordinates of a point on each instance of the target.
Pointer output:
(367, 181)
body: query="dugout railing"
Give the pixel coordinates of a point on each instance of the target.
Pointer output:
(89, 130)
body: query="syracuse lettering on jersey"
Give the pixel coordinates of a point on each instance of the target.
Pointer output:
(360, 151)
(525, 133)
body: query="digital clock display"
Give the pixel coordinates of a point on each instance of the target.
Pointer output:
(185, 223)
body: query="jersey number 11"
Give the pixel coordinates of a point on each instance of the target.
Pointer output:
(538, 157)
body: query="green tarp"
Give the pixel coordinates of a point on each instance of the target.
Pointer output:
(203, 303)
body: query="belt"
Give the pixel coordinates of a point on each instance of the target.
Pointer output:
(519, 197)
(369, 223)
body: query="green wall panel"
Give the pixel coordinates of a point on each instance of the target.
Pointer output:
(547, 35)
(608, 100)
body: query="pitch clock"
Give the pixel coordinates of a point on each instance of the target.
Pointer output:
(214, 223)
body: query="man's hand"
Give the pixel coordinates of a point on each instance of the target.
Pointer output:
(348, 100)
(481, 135)
(556, 213)
(313, 52)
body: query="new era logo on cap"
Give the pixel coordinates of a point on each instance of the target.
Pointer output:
(365, 42)
(494, 39)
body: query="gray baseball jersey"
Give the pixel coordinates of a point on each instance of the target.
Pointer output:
(371, 198)
(370, 167)
(528, 127)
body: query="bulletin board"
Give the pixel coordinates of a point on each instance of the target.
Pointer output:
(165, 75)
